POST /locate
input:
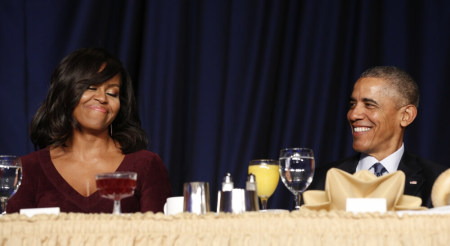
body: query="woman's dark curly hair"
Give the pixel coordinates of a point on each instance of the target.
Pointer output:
(53, 123)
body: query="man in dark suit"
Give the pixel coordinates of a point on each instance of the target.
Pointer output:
(383, 103)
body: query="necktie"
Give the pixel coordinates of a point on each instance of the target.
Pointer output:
(379, 169)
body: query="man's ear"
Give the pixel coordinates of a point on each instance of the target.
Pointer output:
(408, 114)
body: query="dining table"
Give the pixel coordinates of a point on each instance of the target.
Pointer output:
(271, 227)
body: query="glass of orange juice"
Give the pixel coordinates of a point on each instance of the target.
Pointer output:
(267, 176)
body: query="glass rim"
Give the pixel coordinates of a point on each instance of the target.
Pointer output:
(10, 160)
(296, 148)
(199, 183)
(7, 156)
(261, 161)
(119, 174)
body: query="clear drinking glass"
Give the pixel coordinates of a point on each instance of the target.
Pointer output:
(267, 176)
(10, 178)
(297, 170)
(116, 186)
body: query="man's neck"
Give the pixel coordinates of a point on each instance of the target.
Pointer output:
(390, 162)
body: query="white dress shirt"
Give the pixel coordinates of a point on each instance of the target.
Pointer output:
(390, 163)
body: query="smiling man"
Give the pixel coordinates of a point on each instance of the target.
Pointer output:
(383, 103)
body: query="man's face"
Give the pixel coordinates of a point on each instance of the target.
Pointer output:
(375, 118)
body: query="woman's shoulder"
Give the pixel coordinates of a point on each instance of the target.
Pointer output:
(144, 157)
(144, 154)
(34, 157)
(143, 161)
(35, 162)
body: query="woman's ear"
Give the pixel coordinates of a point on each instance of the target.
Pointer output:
(409, 113)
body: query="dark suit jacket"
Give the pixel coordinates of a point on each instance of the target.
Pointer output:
(420, 175)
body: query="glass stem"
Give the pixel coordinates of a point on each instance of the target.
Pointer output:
(3, 201)
(298, 198)
(116, 209)
(264, 203)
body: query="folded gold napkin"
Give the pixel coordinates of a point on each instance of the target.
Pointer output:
(440, 193)
(340, 185)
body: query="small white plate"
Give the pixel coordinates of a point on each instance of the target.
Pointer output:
(33, 211)
(273, 210)
(437, 210)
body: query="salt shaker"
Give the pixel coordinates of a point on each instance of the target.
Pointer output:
(251, 182)
(251, 196)
(227, 184)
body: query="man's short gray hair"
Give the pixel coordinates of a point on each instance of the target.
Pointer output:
(399, 80)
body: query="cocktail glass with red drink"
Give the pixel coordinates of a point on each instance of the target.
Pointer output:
(116, 186)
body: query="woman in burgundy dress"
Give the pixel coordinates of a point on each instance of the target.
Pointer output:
(89, 124)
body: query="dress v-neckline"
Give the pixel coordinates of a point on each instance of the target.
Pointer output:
(62, 185)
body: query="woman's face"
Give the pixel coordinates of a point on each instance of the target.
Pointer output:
(98, 106)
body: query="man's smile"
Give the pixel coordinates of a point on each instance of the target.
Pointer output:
(361, 129)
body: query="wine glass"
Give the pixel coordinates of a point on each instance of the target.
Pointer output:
(116, 186)
(267, 176)
(297, 170)
(10, 178)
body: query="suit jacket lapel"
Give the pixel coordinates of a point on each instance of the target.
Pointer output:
(413, 173)
(349, 165)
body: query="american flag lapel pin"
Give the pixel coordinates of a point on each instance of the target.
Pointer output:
(413, 182)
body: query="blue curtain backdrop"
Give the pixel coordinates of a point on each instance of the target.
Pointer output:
(222, 82)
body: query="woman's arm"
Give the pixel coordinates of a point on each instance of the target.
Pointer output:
(155, 185)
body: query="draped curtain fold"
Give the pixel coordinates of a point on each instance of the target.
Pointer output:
(219, 83)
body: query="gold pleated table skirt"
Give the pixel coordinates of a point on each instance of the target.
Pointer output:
(255, 228)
